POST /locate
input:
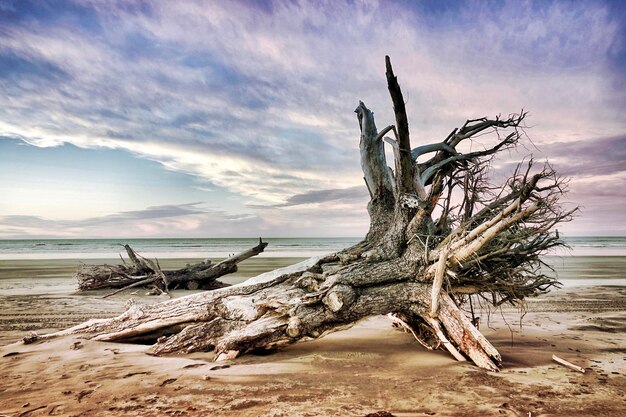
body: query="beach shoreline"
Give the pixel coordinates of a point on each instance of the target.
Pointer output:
(371, 367)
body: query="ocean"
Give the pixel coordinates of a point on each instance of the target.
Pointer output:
(220, 248)
(167, 248)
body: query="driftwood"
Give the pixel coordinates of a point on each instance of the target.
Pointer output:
(143, 272)
(568, 364)
(439, 234)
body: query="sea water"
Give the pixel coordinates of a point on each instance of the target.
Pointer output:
(168, 248)
(223, 247)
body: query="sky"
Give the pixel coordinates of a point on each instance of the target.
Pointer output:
(236, 118)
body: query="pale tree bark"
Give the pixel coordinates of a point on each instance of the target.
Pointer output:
(140, 271)
(439, 234)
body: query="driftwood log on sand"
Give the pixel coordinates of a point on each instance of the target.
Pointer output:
(439, 234)
(140, 271)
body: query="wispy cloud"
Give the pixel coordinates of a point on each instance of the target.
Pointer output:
(352, 195)
(172, 220)
(259, 99)
(193, 220)
(591, 157)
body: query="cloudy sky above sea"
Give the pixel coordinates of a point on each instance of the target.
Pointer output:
(232, 118)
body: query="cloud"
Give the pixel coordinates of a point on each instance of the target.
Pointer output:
(601, 200)
(189, 219)
(157, 212)
(258, 98)
(597, 156)
(195, 220)
(357, 194)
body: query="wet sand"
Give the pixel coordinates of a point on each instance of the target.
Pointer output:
(369, 368)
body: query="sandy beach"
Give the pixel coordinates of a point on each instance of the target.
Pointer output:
(370, 368)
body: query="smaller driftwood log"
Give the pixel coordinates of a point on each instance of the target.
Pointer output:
(143, 272)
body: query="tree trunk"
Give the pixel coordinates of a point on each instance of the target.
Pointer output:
(145, 272)
(424, 255)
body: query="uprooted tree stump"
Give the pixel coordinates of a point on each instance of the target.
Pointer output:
(143, 272)
(439, 234)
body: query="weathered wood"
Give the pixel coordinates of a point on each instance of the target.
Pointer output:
(144, 272)
(404, 163)
(438, 282)
(487, 246)
(397, 321)
(139, 283)
(204, 273)
(568, 364)
(373, 161)
(138, 262)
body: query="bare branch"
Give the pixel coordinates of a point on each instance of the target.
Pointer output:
(404, 172)
(424, 149)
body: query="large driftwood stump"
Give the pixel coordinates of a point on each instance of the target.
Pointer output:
(140, 271)
(439, 234)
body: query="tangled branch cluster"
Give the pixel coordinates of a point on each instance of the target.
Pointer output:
(506, 265)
